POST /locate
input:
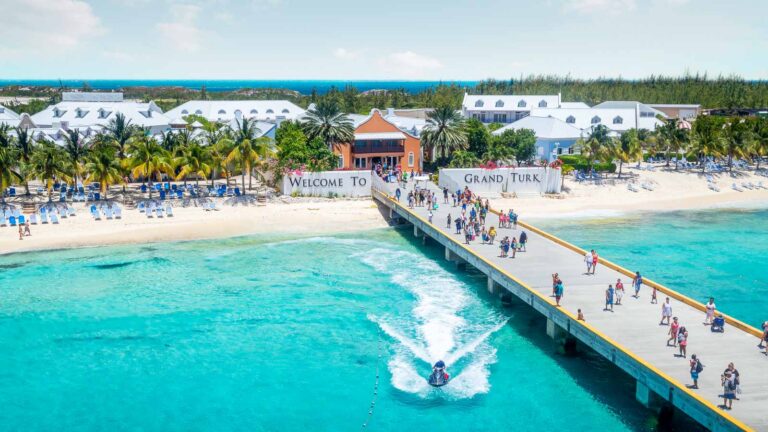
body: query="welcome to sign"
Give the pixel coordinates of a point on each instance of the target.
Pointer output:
(328, 183)
(520, 181)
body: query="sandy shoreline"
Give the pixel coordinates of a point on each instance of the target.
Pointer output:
(673, 191)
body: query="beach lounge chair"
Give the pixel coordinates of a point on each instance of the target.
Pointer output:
(159, 211)
(143, 188)
(632, 187)
(108, 213)
(118, 212)
(97, 196)
(95, 213)
(71, 211)
(648, 186)
(22, 220)
(162, 195)
(736, 188)
(213, 206)
(142, 207)
(746, 185)
(63, 212)
(12, 192)
(179, 194)
(33, 219)
(237, 192)
(3, 221)
(43, 216)
(12, 221)
(54, 218)
(760, 185)
(150, 210)
(169, 210)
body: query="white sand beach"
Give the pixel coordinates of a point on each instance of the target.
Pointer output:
(682, 190)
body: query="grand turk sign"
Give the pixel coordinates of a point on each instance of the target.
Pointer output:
(328, 183)
(521, 181)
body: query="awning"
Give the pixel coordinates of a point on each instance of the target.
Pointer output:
(368, 136)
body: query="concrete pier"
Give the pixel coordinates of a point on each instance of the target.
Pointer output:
(630, 336)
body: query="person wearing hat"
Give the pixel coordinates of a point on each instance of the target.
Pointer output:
(729, 389)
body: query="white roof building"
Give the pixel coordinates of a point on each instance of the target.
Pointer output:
(9, 117)
(227, 110)
(84, 110)
(505, 108)
(617, 120)
(545, 128)
(410, 125)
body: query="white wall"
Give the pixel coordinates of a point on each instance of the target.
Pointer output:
(340, 183)
(521, 181)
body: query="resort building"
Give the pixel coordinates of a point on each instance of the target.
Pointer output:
(505, 108)
(273, 111)
(9, 117)
(378, 140)
(95, 110)
(618, 119)
(554, 137)
(679, 111)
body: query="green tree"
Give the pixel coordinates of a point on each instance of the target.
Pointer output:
(626, 149)
(594, 147)
(463, 159)
(706, 138)
(327, 122)
(478, 137)
(502, 147)
(737, 139)
(194, 159)
(103, 167)
(672, 139)
(149, 160)
(119, 133)
(8, 169)
(525, 145)
(248, 149)
(444, 132)
(76, 148)
(760, 138)
(5, 135)
(294, 150)
(25, 145)
(48, 163)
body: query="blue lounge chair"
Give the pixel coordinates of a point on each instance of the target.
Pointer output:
(143, 188)
(54, 218)
(179, 194)
(95, 213)
(22, 220)
(43, 216)
(71, 211)
(108, 212)
(12, 220)
(97, 196)
(142, 207)
(12, 192)
(237, 192)
(162, 195)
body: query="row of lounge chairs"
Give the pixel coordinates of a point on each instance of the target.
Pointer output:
(152, 209)
(110, 211)
(14, 217)
(645, 185)
(173, 191)
(580, 176)
(747, 185)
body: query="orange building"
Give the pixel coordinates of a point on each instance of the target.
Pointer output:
(379, 141)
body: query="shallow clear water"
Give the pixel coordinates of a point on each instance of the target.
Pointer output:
(283, 334)
(718, 253)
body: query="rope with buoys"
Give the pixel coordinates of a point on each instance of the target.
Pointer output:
(375, 395)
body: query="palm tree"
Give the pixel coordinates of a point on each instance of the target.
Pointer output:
(149, 160)
(168, 141)
(219, 143)
(327, 121)
(119, 133)
(103, 167)
(195, 159)
(626, 149)
(737, 138)
(248, 148)
(760, 141)
(444, 131)
(8, 169)
(76, 147)
(672, 138)
(25, 145)
(5, 135)
(48, 163)
(595, 146)
(706, 138)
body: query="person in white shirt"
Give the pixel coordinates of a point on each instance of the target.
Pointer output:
(588, 261)
(666, 312)
(711, 308)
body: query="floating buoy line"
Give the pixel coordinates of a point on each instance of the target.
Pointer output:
(375, 395)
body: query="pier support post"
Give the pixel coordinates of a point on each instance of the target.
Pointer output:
(424, 239)
(643, 394)
(391, 213)
(553, 330)
(491, 285)
(415, 231)
(448, 254)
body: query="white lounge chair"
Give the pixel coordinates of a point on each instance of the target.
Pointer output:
(169, 210)
(736, 188)
(71, 211)
(108, 213)
(159, 211)
(118, 212)
(54, 218)
(150, 208)
(632, 187)
(33, 219)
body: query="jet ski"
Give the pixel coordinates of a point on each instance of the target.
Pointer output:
(439, 376)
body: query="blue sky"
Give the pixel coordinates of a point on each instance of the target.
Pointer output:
(391, 39)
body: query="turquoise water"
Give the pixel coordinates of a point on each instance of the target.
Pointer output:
(284, 334)
(718, 253)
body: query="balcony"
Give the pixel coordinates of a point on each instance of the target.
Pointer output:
(378, 146)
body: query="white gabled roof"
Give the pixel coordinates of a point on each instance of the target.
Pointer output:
(618, 120)
(508, 102)
(85, 114)
(9, 117)
(630, 105)
(544, 127)
(227, 110)
(573, 105)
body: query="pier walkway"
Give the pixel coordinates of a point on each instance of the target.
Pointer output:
(630, 336)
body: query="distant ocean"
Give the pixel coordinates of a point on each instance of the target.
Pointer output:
(301, 86)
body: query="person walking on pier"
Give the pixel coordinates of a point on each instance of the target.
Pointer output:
(558, 292)
(491, 235)
(682, 341)
(555, 279)
(513, 246)
(666, 312)
(619, 291)
(637, 282)
(696, 369)
(588, 262)
(397, 194)
(673, 332)
(729, 389)
(710, 311)
(429, 215)
(609, 299)
(523, 241)
(445, 195)
(764, 341)
(736, 379)
(448, 223)
(594, 261)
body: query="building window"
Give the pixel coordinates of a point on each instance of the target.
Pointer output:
(475, 116)
(285, 111)
(522, 104)
(360, 162)
(254, 112)
(499, 103)
(269, 111)
(79, 113)
(222, 112)
(479, 103)
(238, 113)
(595, 120)
(411, 159)
(559, 150)
(184, 112)
(570, 119)
(542, 103)
(570, 150)
(500, 118)
(198, 112)
(57, 112)
(341, 161)
(618, 120)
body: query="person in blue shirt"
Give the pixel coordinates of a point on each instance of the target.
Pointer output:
(609, 298)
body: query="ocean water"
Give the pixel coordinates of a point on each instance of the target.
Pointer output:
(301, 86)
(714, 253)
(284, 334)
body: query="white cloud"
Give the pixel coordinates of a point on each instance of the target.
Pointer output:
(345, 54)
(409, 64)
(600, 6)
(182, 32)
(40, 26)
(120, 56)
